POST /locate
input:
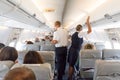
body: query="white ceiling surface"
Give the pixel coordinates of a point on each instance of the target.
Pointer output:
(110, 7)
(96, 9)
(56, 5)
(76, 11)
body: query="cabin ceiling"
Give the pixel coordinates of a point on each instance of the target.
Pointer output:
(69, 12)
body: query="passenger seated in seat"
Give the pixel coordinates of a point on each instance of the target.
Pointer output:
(20, 73)
(33, 57)
(37, 39)
(89, 46)
(47, 40)
(8, 53)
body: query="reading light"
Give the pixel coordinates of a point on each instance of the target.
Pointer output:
(49, 10)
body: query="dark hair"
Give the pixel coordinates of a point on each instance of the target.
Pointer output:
(8, 53)
(79, 27)
(29, 42)
(20, 73)
(89, 46)
(46, 37)
(43, 39)
(58, 23)
(33, 57)
(2, 45)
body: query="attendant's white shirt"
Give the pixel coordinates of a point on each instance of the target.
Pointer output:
(61, 35)
(83, 35)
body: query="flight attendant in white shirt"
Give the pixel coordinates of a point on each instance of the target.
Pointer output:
(60, 39)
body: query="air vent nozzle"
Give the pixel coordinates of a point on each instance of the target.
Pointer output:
(107, 16)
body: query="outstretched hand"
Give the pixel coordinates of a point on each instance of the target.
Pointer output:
(88, 18)
(88, 25)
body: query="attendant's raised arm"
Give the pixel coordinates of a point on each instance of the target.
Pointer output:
(88, 25)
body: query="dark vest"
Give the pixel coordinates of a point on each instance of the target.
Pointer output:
(76, 41)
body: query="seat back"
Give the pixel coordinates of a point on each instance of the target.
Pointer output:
(99, 45)
(5, 67)
(21, 55)
(88, 58)
(32, 47)
(111, 54)
(49, 57)
(107, 70)
(42, 71)
(47, 47)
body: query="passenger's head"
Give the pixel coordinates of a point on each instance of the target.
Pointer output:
(33, 57)
(29, 42)
(37, 39)
(46, 37)
(2, 45)
(79, 27)
(57, 24)
(89, 46)
(8, 53)
(20, 73)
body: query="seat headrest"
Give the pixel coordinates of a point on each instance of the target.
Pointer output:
(111, 54)
(47, 55)
(32, 47)
(107, 67)
(5, 67)
(42, 71)
(91, 54)
(9, 64)
(100, 45)
(48, 47)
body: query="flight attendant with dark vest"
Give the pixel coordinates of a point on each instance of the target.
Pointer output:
(77, 40)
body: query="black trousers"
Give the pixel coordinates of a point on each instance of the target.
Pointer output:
(61, 53)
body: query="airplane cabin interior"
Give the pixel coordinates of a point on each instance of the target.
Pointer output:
(28, 25)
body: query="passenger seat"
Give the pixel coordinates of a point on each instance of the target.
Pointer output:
(111, 54)
(42, 71)
(5, 67)
(107, 70)
(87, 62)
(49, 57)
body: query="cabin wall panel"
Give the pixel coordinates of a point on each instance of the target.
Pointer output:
(4, 35)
